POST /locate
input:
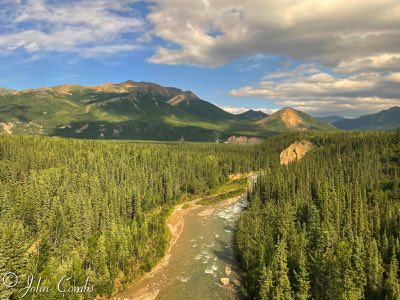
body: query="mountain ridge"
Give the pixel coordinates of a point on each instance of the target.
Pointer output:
(384, 120)
(137, 110)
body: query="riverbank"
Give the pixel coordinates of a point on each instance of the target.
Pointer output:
(145, 288)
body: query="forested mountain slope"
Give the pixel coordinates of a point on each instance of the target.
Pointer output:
(97, 209)
(127, 110)
(327, 226)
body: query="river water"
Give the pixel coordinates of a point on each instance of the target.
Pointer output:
(201, 255)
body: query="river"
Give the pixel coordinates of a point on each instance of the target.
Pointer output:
(200, 254)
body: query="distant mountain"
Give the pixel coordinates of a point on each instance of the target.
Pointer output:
(385, 119)
(289, 119)
(136, 110)
(331, 119)
(252, 115)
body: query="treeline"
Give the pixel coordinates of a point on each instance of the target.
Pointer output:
(328, 226)
(97, 209)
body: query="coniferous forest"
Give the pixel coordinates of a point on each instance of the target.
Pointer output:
(200, 150)
(97, 209)
(325, 227)
(328, 226)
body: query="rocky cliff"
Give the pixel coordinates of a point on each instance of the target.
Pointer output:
(246, 140)
(295, 152)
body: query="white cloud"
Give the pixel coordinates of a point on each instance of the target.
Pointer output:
(326, 93)
(310, 68)
(212, 33)
(89, 27)
(378, 62)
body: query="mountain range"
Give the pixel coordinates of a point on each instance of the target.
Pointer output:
(139, 110)
(385, 119)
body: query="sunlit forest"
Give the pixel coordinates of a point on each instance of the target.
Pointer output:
(97, 209)
(328, 226)
(325, 227)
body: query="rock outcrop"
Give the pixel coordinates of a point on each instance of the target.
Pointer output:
(244, 140)
(295, 152)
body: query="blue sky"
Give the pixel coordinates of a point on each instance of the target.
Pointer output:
(322, 57)
(211, 84)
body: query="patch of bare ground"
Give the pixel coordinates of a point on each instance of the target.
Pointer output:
(292, 120)
(7, 127)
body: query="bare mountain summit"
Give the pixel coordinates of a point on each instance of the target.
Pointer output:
(289, 119)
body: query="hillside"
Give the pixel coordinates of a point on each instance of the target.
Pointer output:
(289, 119)
(385, 119)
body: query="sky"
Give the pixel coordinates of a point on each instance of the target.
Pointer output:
(323, 57)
